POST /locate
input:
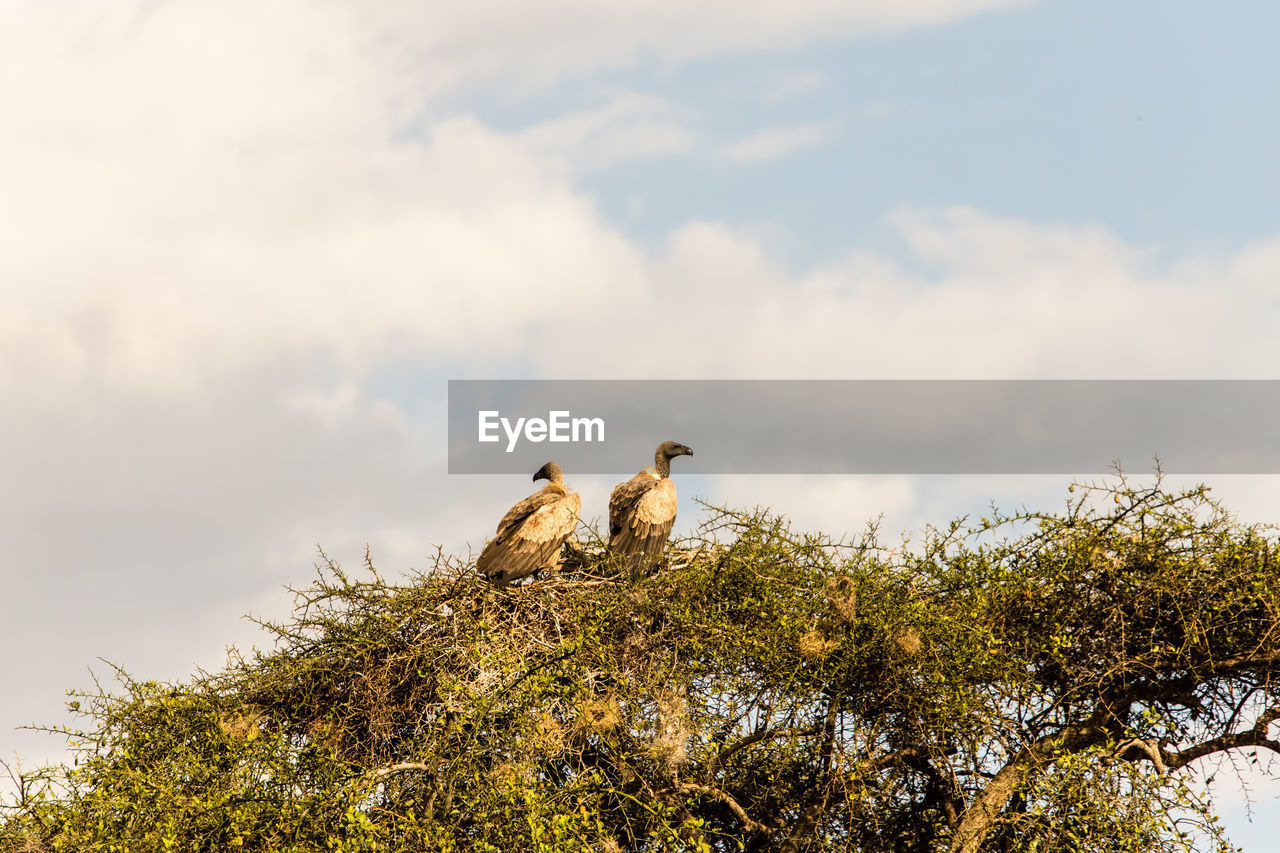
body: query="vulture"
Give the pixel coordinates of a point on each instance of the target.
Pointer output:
(642, 510)
(531, 533)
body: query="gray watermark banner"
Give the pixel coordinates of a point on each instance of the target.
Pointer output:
(867, 426)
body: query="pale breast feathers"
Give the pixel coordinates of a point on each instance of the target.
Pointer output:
(657, 505)
(642, 512)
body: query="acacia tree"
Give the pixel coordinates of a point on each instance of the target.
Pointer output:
(1033, 681)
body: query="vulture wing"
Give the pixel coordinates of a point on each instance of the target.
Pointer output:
(530, 535)
(642, 512)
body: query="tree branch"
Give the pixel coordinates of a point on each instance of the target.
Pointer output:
(811, 815)
(399, 768)
(755, 737)
(977, 820)
(1256, 736)
(1130, 750)
(920, 759)
(741, 813)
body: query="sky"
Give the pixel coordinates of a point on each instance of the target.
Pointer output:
(245, 245)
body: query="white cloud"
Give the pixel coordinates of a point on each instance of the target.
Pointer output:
(977, 296)
(532, 44)
(361, 254)
(289, 65)
(629, 126)
(776, 142)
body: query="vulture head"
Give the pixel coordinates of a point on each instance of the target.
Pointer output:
(667, 451)
(551, 471)
(672, 449)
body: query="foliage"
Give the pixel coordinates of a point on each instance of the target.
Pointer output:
(1027, 683)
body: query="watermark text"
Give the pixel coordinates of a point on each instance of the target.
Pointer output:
(559, 425)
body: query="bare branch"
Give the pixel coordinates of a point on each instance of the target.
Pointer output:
(399, 768)
(1149, 748)
(1256, 736)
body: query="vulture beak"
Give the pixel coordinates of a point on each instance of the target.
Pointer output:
(541, 474)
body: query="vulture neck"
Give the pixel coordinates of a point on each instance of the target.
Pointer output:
(662, 465)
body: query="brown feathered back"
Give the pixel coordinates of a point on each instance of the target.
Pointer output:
(529, 536)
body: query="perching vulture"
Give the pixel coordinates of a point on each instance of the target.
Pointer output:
(642, 510)
(531, 533)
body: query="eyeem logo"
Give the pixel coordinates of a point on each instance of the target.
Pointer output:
(559, 426)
